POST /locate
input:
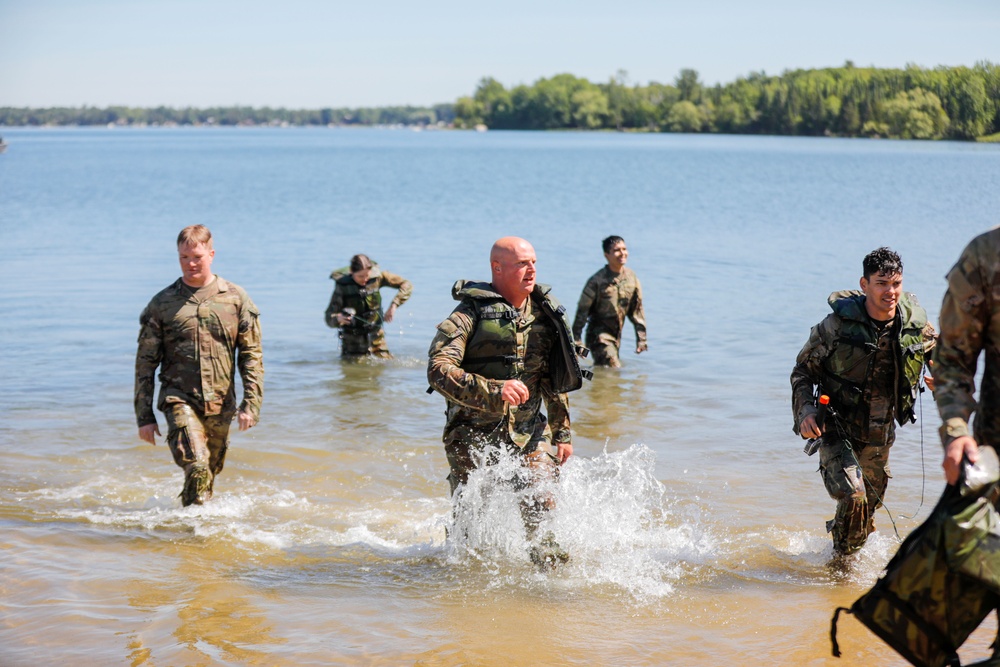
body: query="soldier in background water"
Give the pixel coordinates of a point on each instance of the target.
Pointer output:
(611, 295)
(196, 331)
(868, 357)
(356, 306)
(503, 352)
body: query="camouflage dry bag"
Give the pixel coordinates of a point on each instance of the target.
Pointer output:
(944, 579)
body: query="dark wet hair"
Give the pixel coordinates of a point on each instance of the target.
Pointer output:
(360, 263)
(611, 242)
(882, 261)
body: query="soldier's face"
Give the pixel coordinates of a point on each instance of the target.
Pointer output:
(514, 273)
(361, 277)
(196, 263)
(617, 256)
(882, 292)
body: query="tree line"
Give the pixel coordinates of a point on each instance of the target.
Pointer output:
(848, 101)
(236, 115)
(909, 103)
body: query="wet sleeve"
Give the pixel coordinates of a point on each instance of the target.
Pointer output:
(964, 318)
(148, 356)
(583, 307)
(250, 358)
(636, 314)
(808, 370)
(557, 413)
(444, 366)
(336, 305)
(404, 287)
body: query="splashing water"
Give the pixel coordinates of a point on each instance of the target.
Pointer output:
(610, 513)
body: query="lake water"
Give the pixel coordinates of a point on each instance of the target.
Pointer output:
(694, 520)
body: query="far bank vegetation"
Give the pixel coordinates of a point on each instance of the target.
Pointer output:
(848, 101)
(911, 103)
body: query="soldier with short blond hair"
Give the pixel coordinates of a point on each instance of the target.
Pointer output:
(198, 331)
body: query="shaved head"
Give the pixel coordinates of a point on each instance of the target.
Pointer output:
(506, 247)
(512, 266)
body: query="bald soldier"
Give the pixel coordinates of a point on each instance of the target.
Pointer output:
(504, 351)
(197, 331)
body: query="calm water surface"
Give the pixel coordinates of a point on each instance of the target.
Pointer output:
(694, 520)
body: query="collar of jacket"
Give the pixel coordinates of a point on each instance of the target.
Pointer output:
(850, 305)
(179, 285)
(474, 289)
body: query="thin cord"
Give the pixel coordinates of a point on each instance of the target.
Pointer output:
(923, 476)
(923, 472)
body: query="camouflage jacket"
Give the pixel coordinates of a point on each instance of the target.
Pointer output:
(872, 377)
(607, 299)
(970, 325)
(369, 299)
(196, 346)
(475, 409)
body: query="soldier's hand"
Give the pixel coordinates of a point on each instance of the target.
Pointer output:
(809, 428)
(343, 320)
(929, 379)
(246, 420)
(514, 392)
(641, 347)
(391, 313)
(564, 450)
(957, 449)
(149, 433)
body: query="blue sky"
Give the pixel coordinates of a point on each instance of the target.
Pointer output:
(311, 54)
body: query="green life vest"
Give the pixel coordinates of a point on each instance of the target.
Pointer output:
(491, 351)
(848, 367)
(365, 300)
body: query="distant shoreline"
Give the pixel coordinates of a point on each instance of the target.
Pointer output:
(959, 103)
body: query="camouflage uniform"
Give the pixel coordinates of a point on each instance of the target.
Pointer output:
(607, 299)
(470, 370)
(365, 334)
(872, 375)
(969, 325)
(196, 337)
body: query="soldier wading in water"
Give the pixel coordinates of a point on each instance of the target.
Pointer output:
(196, 331)
(867, 357)
(611, 296)
(356, 307)
(503, 351)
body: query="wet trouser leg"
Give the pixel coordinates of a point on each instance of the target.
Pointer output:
(359, 345)
(198, 444)
(857, 479)
(604, 349)
(539, 461)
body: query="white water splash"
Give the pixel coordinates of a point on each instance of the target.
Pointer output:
(611, 515)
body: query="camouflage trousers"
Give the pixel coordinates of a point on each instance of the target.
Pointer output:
(857, 478)
(199, 446)
(360, 345)
(539, 460)
(604, 348)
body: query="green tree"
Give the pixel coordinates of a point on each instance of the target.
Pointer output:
(688, 85)
(590, 108)
(684, 117)
(915, 114)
